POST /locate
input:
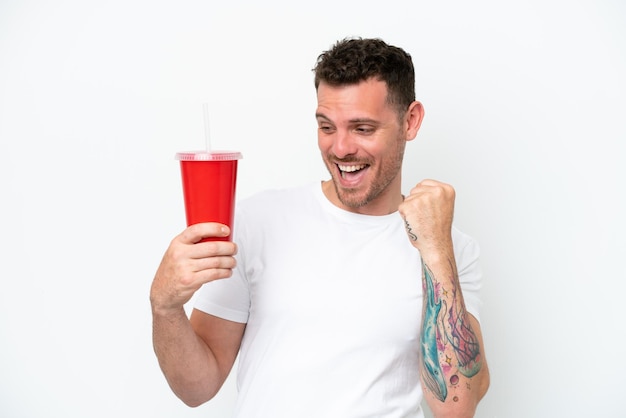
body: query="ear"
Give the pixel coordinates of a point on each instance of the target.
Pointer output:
(414, 117)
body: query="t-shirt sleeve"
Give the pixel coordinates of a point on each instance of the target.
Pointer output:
(467, 254)
(227, 298)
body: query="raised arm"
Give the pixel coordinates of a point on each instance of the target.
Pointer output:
(453, 368)
(195, 355)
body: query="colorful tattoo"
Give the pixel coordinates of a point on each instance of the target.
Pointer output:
(463, 340)
(432, 373)
(441, 328)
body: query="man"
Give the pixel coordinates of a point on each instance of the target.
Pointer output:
(339, 297)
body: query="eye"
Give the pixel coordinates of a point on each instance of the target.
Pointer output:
(364, 129)
(327, 129)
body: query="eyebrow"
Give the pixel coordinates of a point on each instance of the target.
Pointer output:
(351, 121)
(322, 116)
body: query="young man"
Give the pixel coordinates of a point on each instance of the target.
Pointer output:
(342, 299)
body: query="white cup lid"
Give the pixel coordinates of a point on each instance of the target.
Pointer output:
(208, 156)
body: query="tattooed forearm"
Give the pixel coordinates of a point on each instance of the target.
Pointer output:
(446, 334)
(432, 374)
(463, 340)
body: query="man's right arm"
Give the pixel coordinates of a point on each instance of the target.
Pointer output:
(195, 354)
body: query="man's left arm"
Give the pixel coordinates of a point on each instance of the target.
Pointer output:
(453, 368)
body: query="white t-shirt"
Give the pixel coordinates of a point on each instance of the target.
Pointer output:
(333, 304)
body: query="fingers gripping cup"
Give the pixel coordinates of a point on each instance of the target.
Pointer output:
(209, 184)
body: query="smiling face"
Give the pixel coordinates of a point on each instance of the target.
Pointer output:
(362, 138)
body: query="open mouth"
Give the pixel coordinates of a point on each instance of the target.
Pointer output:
(351, 171)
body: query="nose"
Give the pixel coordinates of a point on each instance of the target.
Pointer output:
(344, 144)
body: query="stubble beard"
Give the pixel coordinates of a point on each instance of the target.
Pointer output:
(386, 174)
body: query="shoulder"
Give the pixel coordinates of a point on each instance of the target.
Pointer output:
(272, 213)
(277, 200)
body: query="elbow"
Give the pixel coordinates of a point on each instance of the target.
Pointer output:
(193, 401)
(194, 396)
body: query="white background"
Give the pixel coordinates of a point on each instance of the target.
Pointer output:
(525, 108)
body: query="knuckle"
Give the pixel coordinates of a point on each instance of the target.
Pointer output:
(176, 252)
(186, 279)
(214, 263)
(212, 247)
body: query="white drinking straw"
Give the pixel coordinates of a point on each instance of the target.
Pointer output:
(207, 136)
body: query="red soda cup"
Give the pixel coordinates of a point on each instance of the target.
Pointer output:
(209, 185)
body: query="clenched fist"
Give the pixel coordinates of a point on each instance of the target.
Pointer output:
(427, 212)
(189, 263)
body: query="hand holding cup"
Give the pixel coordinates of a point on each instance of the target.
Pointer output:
(192, 259)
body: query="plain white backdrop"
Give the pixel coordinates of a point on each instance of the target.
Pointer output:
(524, 116)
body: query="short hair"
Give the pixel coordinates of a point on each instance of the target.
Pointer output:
(353, 60)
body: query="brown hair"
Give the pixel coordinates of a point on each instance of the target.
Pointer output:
(353, 60)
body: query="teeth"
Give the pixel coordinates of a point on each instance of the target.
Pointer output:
(351, 168)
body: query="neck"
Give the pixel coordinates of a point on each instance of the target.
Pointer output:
(385, 204)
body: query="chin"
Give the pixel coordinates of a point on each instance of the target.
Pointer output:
(352, 200)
